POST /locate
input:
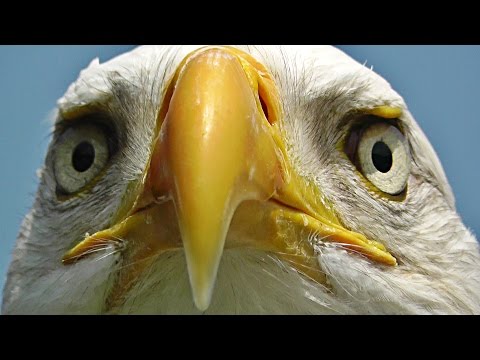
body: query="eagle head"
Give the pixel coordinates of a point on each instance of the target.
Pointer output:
(248, 179)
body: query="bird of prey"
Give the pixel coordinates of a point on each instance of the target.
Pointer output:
(240, 180)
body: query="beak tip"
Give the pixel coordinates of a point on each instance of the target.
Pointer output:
(202, 299)
(202, 277)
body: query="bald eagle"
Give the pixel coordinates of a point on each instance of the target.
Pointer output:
(240, 179)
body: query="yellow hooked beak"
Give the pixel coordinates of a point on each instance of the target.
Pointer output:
(219, 176)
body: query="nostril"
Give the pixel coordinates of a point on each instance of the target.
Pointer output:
(267, 97)
(264, 108)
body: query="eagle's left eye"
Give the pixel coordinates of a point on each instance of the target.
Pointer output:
(80, 154)
(380, 153)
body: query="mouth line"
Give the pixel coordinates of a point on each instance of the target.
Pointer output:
(260, 231)
(269, 226)
(228, 242)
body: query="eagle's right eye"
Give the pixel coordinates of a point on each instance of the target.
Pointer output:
(80, 155)
(380, 152)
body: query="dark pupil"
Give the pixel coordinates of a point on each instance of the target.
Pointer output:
(382, 157)
(83, 156)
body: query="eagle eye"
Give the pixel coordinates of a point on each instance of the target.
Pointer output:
(80, 154)
(380, 152)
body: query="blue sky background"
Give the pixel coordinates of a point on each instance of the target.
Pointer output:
(439, 83)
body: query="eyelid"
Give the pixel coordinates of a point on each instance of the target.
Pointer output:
(385, 112)
(356, 126)
(100, 119)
